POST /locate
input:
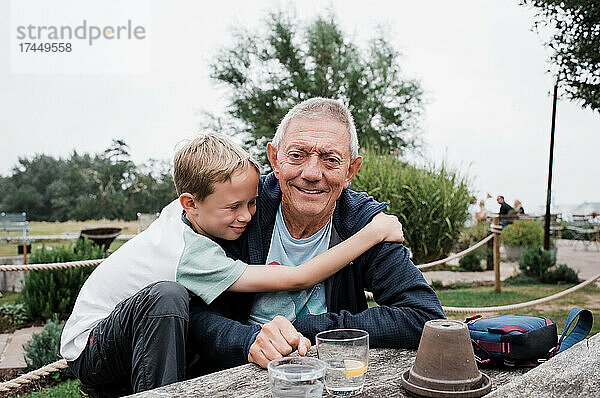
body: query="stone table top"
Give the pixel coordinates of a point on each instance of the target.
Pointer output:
(573, 373)
(383, 379)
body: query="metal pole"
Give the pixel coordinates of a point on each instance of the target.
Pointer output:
(496, 232)
(549, 191)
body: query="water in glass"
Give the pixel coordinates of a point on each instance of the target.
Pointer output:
(296, 379)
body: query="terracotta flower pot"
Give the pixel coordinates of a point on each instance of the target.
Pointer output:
(445, 363)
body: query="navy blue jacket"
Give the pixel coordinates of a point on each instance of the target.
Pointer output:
(405, 300)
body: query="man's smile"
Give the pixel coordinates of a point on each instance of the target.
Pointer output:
(309, 191)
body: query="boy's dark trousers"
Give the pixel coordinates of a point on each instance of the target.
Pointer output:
(141, 344)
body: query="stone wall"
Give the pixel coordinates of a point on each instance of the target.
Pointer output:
(11, 281)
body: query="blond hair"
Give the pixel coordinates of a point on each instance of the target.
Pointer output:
(206, 160)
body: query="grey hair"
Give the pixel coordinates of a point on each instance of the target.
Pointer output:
(315, 108)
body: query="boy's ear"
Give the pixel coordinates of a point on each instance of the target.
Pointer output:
(188, 202)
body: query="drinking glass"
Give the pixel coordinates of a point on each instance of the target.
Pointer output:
(296, 377)
(346, 353)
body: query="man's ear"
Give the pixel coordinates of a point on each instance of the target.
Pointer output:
(353, 169)
(188, 202)
(272, 156)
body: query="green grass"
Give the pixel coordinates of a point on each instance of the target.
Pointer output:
(64, 390)
(556, 310)
(486, 296)
(11, 298)
(57, 228)
(10, 249)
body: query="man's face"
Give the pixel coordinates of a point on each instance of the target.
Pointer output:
(313, 165)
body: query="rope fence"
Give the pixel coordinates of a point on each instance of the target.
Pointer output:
(37, 267)
(457, 255)
(522, 305)
(33, 375)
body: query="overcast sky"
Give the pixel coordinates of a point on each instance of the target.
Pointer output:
(483, 70)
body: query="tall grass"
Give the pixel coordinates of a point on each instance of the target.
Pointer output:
(432, 202)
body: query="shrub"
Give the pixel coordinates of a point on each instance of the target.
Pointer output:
(437, 284)
(471, 235)
(520, 279)
(432, 203)
(535, 262)
(44, 348)
(470, 262)
(49, 292)
(526, 233)
(12, 317)
(561, 274)
(566, 233)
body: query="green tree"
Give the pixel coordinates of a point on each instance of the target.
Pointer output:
(268, 73)
(151, 189)
(26, 188)
(575, 41)
(83, 186)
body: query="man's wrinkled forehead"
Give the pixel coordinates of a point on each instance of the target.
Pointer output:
(319, 124)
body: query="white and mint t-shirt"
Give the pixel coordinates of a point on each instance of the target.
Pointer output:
(168, 250)
(289, 251)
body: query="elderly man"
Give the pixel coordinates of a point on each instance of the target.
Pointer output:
(304, 207)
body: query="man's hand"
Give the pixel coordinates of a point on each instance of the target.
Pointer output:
(276, 339)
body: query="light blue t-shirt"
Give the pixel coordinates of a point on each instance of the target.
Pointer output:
(288, 251)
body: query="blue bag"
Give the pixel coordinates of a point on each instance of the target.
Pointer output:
(524, 340)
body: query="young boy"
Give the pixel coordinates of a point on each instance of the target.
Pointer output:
(129, 322)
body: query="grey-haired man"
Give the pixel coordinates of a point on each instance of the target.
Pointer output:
(304, 207)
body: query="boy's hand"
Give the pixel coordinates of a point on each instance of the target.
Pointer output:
(275, 340)
(387, 227)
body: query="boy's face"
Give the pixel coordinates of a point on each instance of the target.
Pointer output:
(226, 212)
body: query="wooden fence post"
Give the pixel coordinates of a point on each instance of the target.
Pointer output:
(496, 229)
(25, 253)
(489, 255)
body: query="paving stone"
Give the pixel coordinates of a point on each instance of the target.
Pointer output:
(4, 339)
(12, 354)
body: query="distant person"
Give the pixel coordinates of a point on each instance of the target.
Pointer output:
(130, 320)
(505, 208)
(518, 207)
(505, 211)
